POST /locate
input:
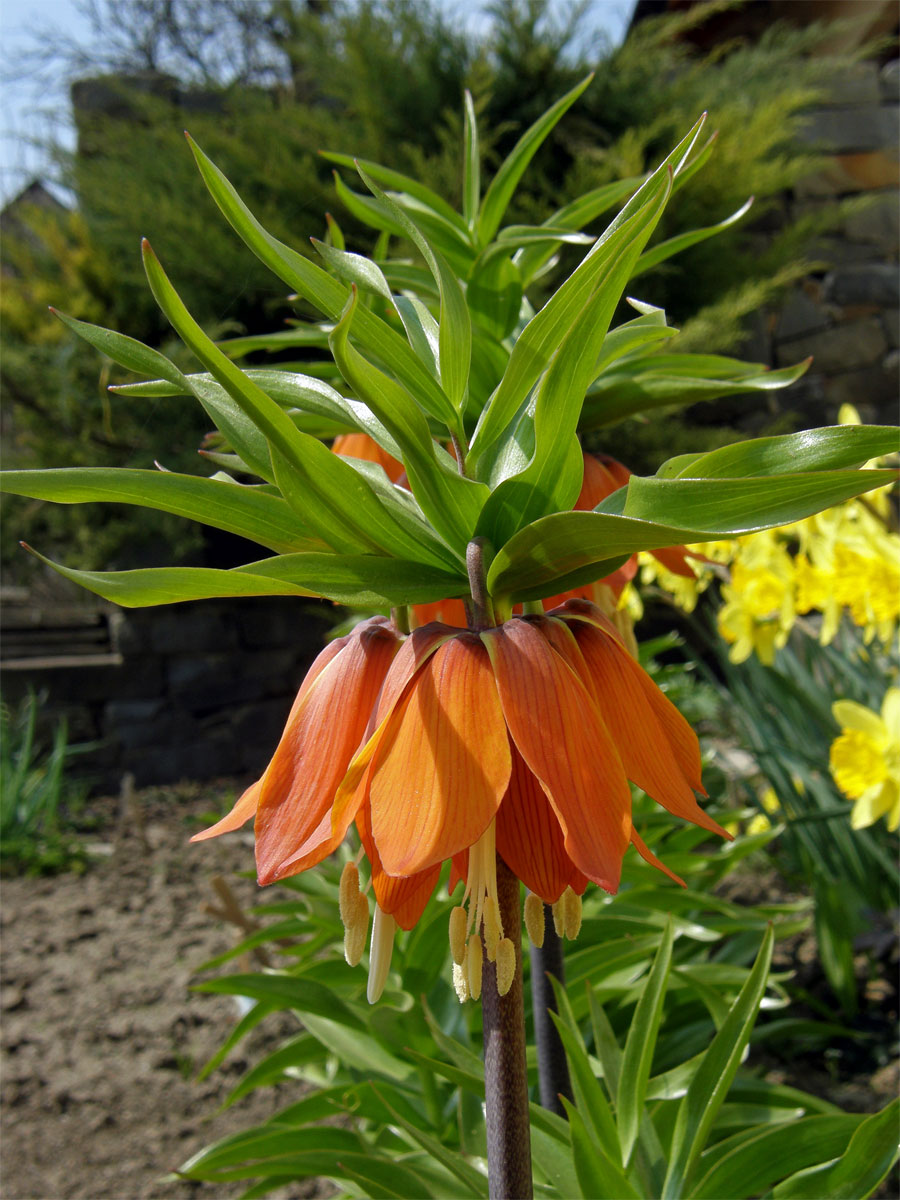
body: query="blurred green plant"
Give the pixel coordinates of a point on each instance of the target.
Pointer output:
(664, 988)
(38, 800)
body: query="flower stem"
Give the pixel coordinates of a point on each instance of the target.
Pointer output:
(505, 1076)
(553, 1069)
(479, 609)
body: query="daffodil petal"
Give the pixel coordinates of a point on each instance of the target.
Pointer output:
(443, 764)
(850, 715)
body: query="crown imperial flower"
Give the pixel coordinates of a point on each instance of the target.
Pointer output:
(452, 744)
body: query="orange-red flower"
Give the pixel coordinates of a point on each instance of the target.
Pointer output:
(360, 445)
(520, 738)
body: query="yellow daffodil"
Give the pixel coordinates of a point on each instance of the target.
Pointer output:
(865, 759)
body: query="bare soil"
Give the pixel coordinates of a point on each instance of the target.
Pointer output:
(102, 1038)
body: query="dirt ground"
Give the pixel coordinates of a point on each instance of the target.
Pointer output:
(101, 1037)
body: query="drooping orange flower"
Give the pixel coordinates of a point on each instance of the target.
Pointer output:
(519, 739)
(360, 445)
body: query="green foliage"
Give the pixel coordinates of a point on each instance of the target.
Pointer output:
(37, 799)
(655, 1017)
(782, 716)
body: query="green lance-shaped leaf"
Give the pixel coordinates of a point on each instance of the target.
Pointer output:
(597, 1174)
(359, 580)
(330, 495)
(449, 500)
(455, 325)
(504, 183)
(471, 192)
(494, 294)
(674, 245)
(354, 268)
(552, 479)
(662, 380)
(542, 336)
(698, 1109)
(298, 338)
(826, 449)
(127, 352)
(398, 182)
(858, 1171)
(245, 511)
(325, 292)
(640, 1046)
(749, 1164)
(564, 548)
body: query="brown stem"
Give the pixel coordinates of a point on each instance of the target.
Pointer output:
(479, 610)
(553, 1069)
(505, 1076)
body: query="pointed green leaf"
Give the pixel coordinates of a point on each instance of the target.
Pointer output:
(827, 449)
(707, 1090)
(399, 182)
(858, 1171)
(326, 293)
(245, 511)
(128, 353)
(674, 245)
(455, 325)
(450, 501)
(504, 183)
(347, 578)
(471, 163)
(640, 1045)
(354, 268)
(331, 496)
(597, 1175)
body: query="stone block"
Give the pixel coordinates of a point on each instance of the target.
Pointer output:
(190, 628)
(890, 80)
(853, 344)
(872, 390)
(846, 174)
(878, 223)
(890, 320)
(858, 85)
(293, 623)
(867, 283)
(852, 130)
(800, 313)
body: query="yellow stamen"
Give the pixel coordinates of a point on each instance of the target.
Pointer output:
(460, 983)
(458, 923)
(348, 892)
(473, 966)
(493, 928)
(355, 930)
(534, 919)
(572, 910)
(506, 965)
(383, 928)
(559, 916)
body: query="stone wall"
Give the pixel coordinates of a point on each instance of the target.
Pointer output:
(190, 691)
(845, 314)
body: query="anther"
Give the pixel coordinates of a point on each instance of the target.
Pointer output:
(493, 927)
(383, 929)
(460, 983)
(473, 966)
(459, 920)
(534, 919)
(559, 916)
(348, 892)
(506, 965)
(572, 909)
(355, 930)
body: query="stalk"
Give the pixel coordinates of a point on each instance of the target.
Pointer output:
(553, 1069)
(505, 1076)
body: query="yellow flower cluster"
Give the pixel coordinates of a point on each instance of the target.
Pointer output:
(843, 560)
(865, 759)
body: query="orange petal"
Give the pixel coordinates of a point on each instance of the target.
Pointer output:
(299, 784)
(639, 717)
(242, 811)
(598, 482)
(675, 559)
(556, 728)
(451, 612)
(459, 870)
(443, 764)
(648, 856)
(317, 846)
(360, 445)
(404, 897)
(529, 837)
